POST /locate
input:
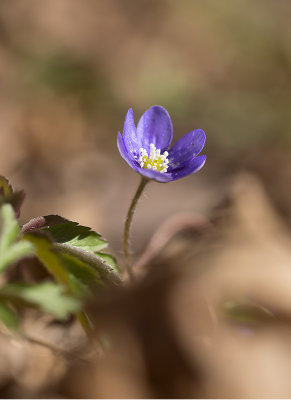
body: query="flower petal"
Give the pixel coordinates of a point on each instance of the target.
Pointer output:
(186, 148)
(132, 143)
(193, 166)
(154, 175)
(150, 174)
(155, 126)
(124, 152)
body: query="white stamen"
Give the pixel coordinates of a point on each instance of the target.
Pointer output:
(155, 160)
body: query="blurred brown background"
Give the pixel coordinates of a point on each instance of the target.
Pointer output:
(69, 71)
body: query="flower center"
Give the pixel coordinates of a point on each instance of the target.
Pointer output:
(155, 161)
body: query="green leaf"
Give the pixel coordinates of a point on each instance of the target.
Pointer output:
(82, 276)
(73, 234)
(78, 242)
(42, 222)
(105, 270)
(47, 296)
(109, 259)
(49, 258)
(8, 317)
(86, 245)
(76, 275)
(9, 227)
(11, 250)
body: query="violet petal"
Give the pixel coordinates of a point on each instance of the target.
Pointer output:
(154, 175)
(124, 152)
(189, 146)
(131, 141)
(155, 126)
(192, 166)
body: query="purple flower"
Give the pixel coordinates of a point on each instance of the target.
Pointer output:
(146, 148)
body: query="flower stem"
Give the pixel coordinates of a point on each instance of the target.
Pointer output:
(127, 225)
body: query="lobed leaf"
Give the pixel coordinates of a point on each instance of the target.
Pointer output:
(49, 258)
(8, 317)
(72, 272)
(73, 234)
(42, 222)
(9, 227)
(82, 276)
(69, 250)
(109, 259)
(47, 296)
(105, 270)
(83, 243)
(11, 249)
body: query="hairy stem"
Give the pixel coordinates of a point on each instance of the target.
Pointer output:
(127, 225)
(97, 263)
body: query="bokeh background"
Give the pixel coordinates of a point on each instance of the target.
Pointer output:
(70, 70)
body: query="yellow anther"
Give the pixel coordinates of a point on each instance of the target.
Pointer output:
(155, 160)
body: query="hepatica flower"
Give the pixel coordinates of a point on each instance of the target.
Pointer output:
(146, 148)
